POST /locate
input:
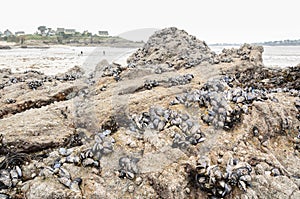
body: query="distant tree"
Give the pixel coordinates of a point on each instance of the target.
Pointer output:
(60, 39)
(42, 29)
(49, 30)
(22, 39)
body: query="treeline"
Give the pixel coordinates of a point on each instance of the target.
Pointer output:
(286, 42)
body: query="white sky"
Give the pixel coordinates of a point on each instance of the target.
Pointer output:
(214, 21)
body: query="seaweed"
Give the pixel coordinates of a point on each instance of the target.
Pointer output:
(14, 159)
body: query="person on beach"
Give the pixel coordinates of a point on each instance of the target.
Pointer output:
(103, 52)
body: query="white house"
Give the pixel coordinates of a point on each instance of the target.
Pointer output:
(103, 33)
(19, 33)
(7, 33)
(70, 31)
(60, 31)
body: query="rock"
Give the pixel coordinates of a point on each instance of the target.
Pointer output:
(163, 47)
(179, 121)
(54, 189)
(5, 47)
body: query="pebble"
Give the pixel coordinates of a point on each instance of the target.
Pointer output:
(221, 153)
(19, 171)
(220, 161)
(4, 196)
(131, 188)
(133, 144)
(234, 149)
(267, 172)
(275, 172)
(138, 180)
(65, 152)
(130, 175)
(243, 152)
(265, 143)
(240, 99)
(187, 190)
(87, 162)
(259, 169)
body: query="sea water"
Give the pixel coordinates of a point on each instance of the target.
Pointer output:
(61, 58)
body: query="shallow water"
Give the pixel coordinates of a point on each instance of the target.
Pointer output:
(59, 59)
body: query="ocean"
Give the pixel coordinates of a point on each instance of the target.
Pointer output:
(59, 59)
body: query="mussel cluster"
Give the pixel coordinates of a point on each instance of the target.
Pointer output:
(180, 80)
(103, 144)
(218, 182)
(223, 104)
(10, 177)
(63, 176)
(212, 97)
(34, 84)
(173, 81)
(287, 79)
(15, 80)
(71, 75)
(113, 70)
(149, 84)
(159, 119)
(128, 168)
(10, 101)
(11, 170)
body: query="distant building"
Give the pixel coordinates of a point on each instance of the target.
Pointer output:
(7, 33)
(19, 33)
(1, 34)
(103, 33)
(86, 32)
(51, 33)
(70, 31)
(60, 31)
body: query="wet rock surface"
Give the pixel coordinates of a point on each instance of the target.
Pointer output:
(178, 121)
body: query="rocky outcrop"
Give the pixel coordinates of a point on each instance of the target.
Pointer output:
(5, 47)
(247, 52)
(160, 127)
(173, 47)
